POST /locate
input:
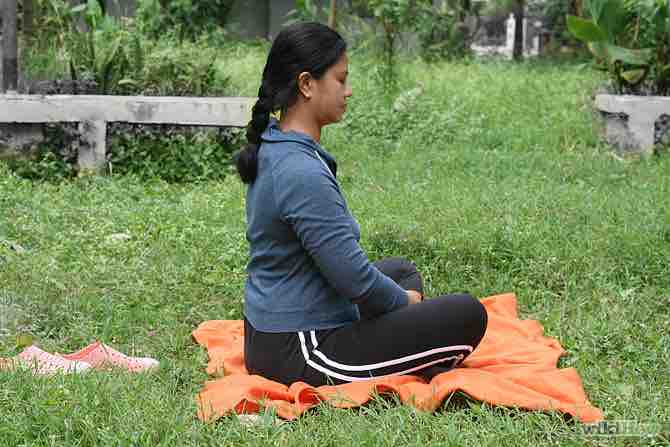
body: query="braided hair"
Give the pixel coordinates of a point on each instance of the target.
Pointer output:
(302, 47)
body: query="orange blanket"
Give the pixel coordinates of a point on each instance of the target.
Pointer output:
(514, 365)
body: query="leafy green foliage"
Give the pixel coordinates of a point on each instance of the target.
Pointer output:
(306, 11)
(169, 153)
(443, 32)
(175, 157)
(121, 60)
(188, 19)
(55, 24)
(52, 160)
(103, 53)
(555, 14)
(81, 43)
(169, 68)
(630, 39)
(393, 17)
(45, 165)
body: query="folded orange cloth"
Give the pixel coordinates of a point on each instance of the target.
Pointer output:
(514, 365)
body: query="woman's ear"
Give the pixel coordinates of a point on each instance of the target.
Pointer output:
(305, 84)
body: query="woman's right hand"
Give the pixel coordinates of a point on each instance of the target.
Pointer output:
(414, 297)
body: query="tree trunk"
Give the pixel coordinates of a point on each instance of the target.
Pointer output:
(332, 20)
(28, 18)
(519, 13)
(466, 7)
(10, 66)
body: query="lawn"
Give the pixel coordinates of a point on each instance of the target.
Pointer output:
(492, 181)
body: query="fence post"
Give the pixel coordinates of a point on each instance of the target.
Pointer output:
(91, 157)
(10, 63)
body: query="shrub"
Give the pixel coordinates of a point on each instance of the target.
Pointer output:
(168, 68)
(172, 154)
(105, 53)
(554, 13)
(187, 18)
(394, 17)
(443, 31)
(630, 39)
(117, 57)
(53, 160)
(306, 11)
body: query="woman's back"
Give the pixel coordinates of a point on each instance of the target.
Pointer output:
(285, 290)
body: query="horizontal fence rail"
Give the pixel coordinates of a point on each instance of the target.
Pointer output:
(93, 112)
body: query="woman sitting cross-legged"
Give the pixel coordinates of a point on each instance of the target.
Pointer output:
(316, 309)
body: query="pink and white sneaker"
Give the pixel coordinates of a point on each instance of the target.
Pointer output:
(42, 362)
(101, 356)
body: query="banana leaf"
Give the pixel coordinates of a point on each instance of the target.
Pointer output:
(634, 77)
(613, 18)
(585, 30)
(627, 56)
(613, 53)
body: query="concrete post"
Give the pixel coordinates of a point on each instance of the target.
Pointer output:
(91, 156)
(636, 133)
(511, 32)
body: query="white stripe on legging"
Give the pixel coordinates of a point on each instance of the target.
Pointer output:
(303, 346)
(408, 358)
(336, 375)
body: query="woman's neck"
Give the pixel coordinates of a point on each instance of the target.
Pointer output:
(292, 120)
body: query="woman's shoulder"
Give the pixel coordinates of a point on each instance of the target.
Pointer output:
(289, 158)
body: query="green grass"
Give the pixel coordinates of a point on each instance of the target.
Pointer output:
(493, 181)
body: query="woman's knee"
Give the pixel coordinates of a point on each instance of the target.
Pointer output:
(476, 314)
(471, 312)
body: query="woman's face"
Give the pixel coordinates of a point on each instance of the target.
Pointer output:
(331, 93)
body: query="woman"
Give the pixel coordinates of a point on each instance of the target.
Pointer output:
(316, 309)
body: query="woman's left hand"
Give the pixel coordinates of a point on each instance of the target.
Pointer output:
(414, 296)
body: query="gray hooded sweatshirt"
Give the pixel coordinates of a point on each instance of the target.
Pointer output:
(306, 269)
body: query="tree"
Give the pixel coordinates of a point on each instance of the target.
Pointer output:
(332, 19)
(28, 18)
(519, 10)
(10, 71)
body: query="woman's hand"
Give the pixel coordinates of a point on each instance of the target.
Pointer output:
(414, 296)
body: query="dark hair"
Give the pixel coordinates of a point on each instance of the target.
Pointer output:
(302, 47)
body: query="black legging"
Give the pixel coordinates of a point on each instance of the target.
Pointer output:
(425, 338)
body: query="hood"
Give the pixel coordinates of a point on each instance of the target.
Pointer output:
(273, 134)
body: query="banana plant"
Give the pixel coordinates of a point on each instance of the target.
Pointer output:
(101, 51)
(608, 36)
(659, 12)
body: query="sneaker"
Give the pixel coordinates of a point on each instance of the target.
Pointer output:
(101, 356)
(42, 362)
